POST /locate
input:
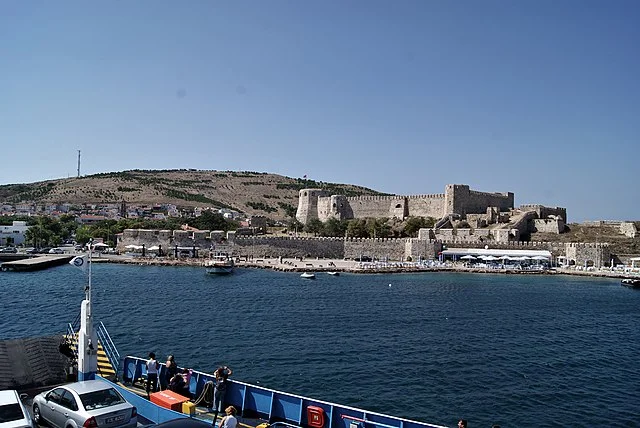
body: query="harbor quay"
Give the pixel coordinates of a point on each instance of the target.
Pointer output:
(300, 265)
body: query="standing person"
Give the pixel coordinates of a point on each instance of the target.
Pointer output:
(152, 373)
(222, 375)
(229, 421)
(171, 369)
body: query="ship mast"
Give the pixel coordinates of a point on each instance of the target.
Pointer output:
(87, 336)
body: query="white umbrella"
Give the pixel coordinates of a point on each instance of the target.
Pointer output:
(154, 248)
(506, 258)
(99, 245)
(490, 258)
(133, 247)
(539, 258)
(467, 257)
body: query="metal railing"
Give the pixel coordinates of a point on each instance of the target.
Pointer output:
(104, 339)
(108, 346)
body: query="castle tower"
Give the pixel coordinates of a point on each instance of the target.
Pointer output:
(308, 204)
(455, 196)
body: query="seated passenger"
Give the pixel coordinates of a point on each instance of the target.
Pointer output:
(179, 386)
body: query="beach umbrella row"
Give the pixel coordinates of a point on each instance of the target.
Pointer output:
(494, 258)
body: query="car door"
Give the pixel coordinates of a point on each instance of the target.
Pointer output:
(51, 412)
(69, 408)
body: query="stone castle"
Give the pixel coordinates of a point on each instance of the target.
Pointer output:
(458, 200)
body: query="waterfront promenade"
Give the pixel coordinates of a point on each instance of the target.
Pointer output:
(352, 266)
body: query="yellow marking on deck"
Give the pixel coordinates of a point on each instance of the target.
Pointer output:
(105, 369)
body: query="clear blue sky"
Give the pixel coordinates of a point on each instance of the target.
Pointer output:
(541, 98)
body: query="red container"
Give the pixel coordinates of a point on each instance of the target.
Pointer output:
(315, 417)
(168, 400)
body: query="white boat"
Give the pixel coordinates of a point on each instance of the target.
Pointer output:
(220, 264)
(333, 273)
(308, 275)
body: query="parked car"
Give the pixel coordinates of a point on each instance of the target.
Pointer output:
(56, 250)
(88, 404)
(13, 414)
(8, 250)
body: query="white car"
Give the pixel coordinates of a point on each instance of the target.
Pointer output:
(56, 251)
(88, 404)
(13, 414)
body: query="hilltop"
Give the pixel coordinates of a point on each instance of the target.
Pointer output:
(254, 193)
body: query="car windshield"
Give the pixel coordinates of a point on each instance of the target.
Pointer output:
(10, 412)
(98, 399)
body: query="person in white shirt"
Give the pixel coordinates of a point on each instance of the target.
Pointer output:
(229, 421)
(152, 373)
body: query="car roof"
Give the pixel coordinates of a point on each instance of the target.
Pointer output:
(88, 386)
(9, 396)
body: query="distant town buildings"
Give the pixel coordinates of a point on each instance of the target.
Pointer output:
(14, 234)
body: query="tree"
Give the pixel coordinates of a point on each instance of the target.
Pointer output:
(209, 220)
(334, 227)
(83, 234)
(357, 228)
(294, 225)
(414, 224)
(377, 228)
(314, 226)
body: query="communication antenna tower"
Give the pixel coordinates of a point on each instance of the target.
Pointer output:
(78, 163)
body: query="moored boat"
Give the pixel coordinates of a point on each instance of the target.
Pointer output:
(631, 282)
(333, 273)
(220, 264)
(308, 275)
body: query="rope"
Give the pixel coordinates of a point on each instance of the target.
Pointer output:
(207, 394)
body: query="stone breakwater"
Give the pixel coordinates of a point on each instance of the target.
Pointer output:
(351, 266)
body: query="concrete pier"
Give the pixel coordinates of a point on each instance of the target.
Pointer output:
(36, 263)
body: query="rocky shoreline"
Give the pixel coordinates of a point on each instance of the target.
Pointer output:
(350, 266)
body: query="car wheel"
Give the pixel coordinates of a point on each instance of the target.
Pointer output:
(37, 416)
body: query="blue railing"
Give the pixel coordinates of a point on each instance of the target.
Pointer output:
(108, 346)
(276, 406)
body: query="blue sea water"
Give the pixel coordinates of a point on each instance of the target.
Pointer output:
(517, 350)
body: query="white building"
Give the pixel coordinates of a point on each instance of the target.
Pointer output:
(14, 234)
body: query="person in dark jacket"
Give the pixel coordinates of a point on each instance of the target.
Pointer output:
(222, 375)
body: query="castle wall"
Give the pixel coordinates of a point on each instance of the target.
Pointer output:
(544, 212)
(628, 229)
(422, 249)
(460, 199)
(259, 247)
(426, 206)
(376, 206)
(379, 248)
(548, 225)
(597, 254)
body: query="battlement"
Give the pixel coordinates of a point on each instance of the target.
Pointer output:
(265, 239)
(373, 198)
(587, 244)
(431, 196)
(529, 207)
(499, 194)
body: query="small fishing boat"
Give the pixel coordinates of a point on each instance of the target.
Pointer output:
(308, 275)
(333, 273)
(220, 264)
(631, 282)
